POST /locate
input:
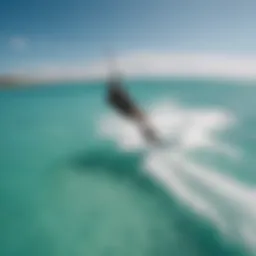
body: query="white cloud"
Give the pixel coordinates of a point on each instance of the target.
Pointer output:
(18, 43)
(160, 65)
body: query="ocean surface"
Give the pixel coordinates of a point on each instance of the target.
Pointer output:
(77, 179)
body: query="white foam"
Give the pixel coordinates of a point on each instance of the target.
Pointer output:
(193, 128)
(229, 204)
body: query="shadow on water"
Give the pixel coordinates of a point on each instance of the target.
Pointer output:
(193, 232)
(108, 161)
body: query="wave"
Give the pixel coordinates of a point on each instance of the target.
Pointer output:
(228, 203)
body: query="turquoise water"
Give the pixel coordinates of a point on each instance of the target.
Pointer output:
(77, 180)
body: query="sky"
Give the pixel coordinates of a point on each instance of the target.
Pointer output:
(36, 35)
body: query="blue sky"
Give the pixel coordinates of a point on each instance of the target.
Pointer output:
(37, 33)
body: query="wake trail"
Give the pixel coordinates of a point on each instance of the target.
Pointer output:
(228, 203)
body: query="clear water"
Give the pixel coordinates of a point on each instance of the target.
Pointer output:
(78, 180)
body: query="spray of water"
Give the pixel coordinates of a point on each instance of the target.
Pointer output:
(228, 203)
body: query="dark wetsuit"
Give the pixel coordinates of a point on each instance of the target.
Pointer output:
(118, 98)
(121, 101)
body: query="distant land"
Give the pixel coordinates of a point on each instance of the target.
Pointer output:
(13, 81)
(9, 81)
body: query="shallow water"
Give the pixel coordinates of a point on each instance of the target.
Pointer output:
(78, 180)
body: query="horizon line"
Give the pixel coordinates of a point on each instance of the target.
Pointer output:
(145, 64)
